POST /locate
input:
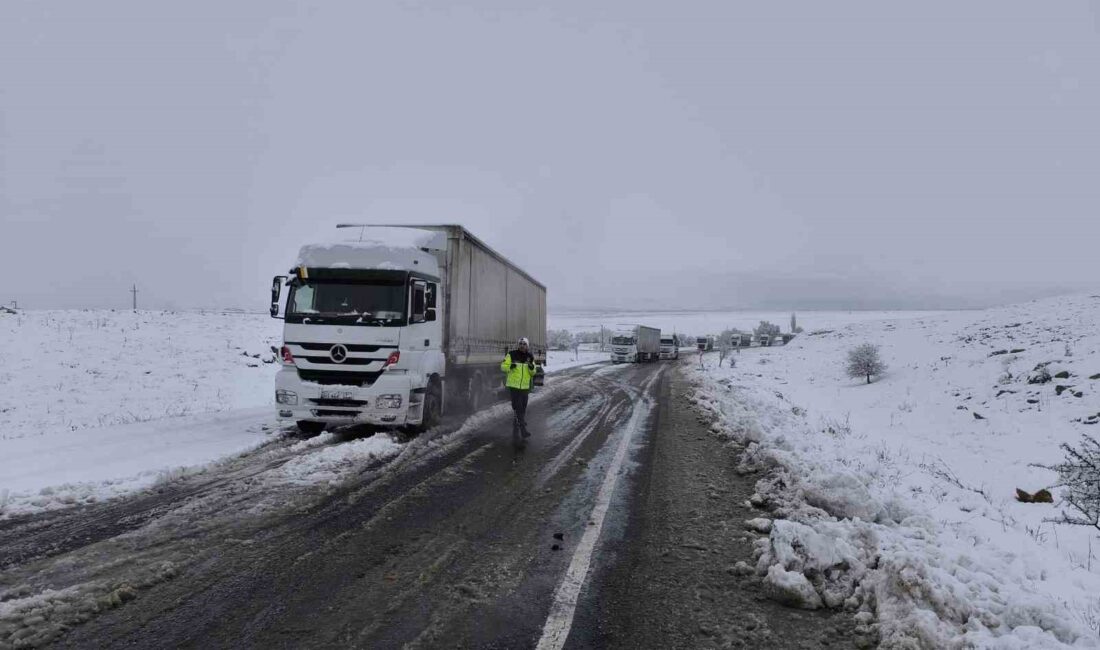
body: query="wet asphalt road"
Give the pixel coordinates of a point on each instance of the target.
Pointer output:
(466, 546)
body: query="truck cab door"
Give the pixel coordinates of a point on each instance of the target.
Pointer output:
(425, 328)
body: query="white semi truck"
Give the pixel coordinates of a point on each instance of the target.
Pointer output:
(395, 325)
(705, 343)
(635, 343)
(670, 347)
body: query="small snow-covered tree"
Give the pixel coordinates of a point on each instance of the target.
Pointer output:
(559, 339)
(1079, 473)
(770, 330)
(586, 337)
(864, 361)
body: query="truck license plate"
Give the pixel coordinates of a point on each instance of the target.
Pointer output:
(336, 394)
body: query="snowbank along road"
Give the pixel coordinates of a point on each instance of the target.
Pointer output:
(618, 526)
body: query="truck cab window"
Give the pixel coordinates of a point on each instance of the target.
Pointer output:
(419, 302)
(430, 296)
(303, 300)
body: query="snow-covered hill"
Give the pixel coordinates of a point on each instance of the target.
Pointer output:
(898, 497)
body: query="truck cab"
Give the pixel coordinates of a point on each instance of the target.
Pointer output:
(361, 341)
(624, 347)
(670, 347)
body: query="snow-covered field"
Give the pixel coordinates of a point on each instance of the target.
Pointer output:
(898, 498)
(557, 360)
(100, 403)
(66, 371)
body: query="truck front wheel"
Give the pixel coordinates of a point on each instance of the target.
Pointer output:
(433, 406)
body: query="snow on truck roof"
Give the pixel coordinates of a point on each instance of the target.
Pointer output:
(376, 247)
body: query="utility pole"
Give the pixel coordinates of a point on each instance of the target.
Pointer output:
(134, 291)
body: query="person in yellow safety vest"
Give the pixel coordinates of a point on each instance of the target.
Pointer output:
(519, 367)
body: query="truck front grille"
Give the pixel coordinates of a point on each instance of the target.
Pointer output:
(345, 403)
(352, 347)
(350, 361)
(324, 413)
(339, 378)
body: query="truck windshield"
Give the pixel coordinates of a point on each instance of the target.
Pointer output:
(347, 303)
(622, 340)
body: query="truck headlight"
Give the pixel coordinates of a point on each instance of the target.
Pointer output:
(388, 402)
(286, 397)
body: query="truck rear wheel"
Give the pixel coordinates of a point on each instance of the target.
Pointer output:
(310, 428)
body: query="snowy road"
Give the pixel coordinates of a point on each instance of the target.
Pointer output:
(618, 526)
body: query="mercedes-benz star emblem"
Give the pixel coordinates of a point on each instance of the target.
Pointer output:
(338, 353)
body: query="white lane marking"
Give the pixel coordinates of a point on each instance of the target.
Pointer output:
(560, 620)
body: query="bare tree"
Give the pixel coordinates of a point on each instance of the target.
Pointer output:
(1079, 473)
(864, 361)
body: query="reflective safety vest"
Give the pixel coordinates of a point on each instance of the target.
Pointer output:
(520, 376)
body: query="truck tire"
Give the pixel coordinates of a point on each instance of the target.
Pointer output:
(433, 406)
(310, 428)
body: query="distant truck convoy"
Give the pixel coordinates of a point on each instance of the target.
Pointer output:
(394, 326)
(635, 343)
(670, 347)
(705, 343)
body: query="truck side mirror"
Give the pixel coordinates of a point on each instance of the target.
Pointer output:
(429, 314)
(276, 291)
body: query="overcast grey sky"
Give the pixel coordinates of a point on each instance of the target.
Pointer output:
(649, 154)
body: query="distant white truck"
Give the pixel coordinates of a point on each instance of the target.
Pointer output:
(670, 347)
(635, 344)
(395, 326)
(705, 343)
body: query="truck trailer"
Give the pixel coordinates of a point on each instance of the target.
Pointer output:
(397, 325)
(635, 343)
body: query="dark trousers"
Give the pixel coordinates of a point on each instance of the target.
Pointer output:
(519, 407)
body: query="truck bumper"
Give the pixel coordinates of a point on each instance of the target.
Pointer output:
(298, 400)
(623, 358)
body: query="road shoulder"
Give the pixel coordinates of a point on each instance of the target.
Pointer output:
(676, 585)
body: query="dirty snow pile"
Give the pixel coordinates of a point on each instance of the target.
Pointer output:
(98, 403)
(320, 461)
(897, 500)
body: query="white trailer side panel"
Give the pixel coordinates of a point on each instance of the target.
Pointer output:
(492, 303)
